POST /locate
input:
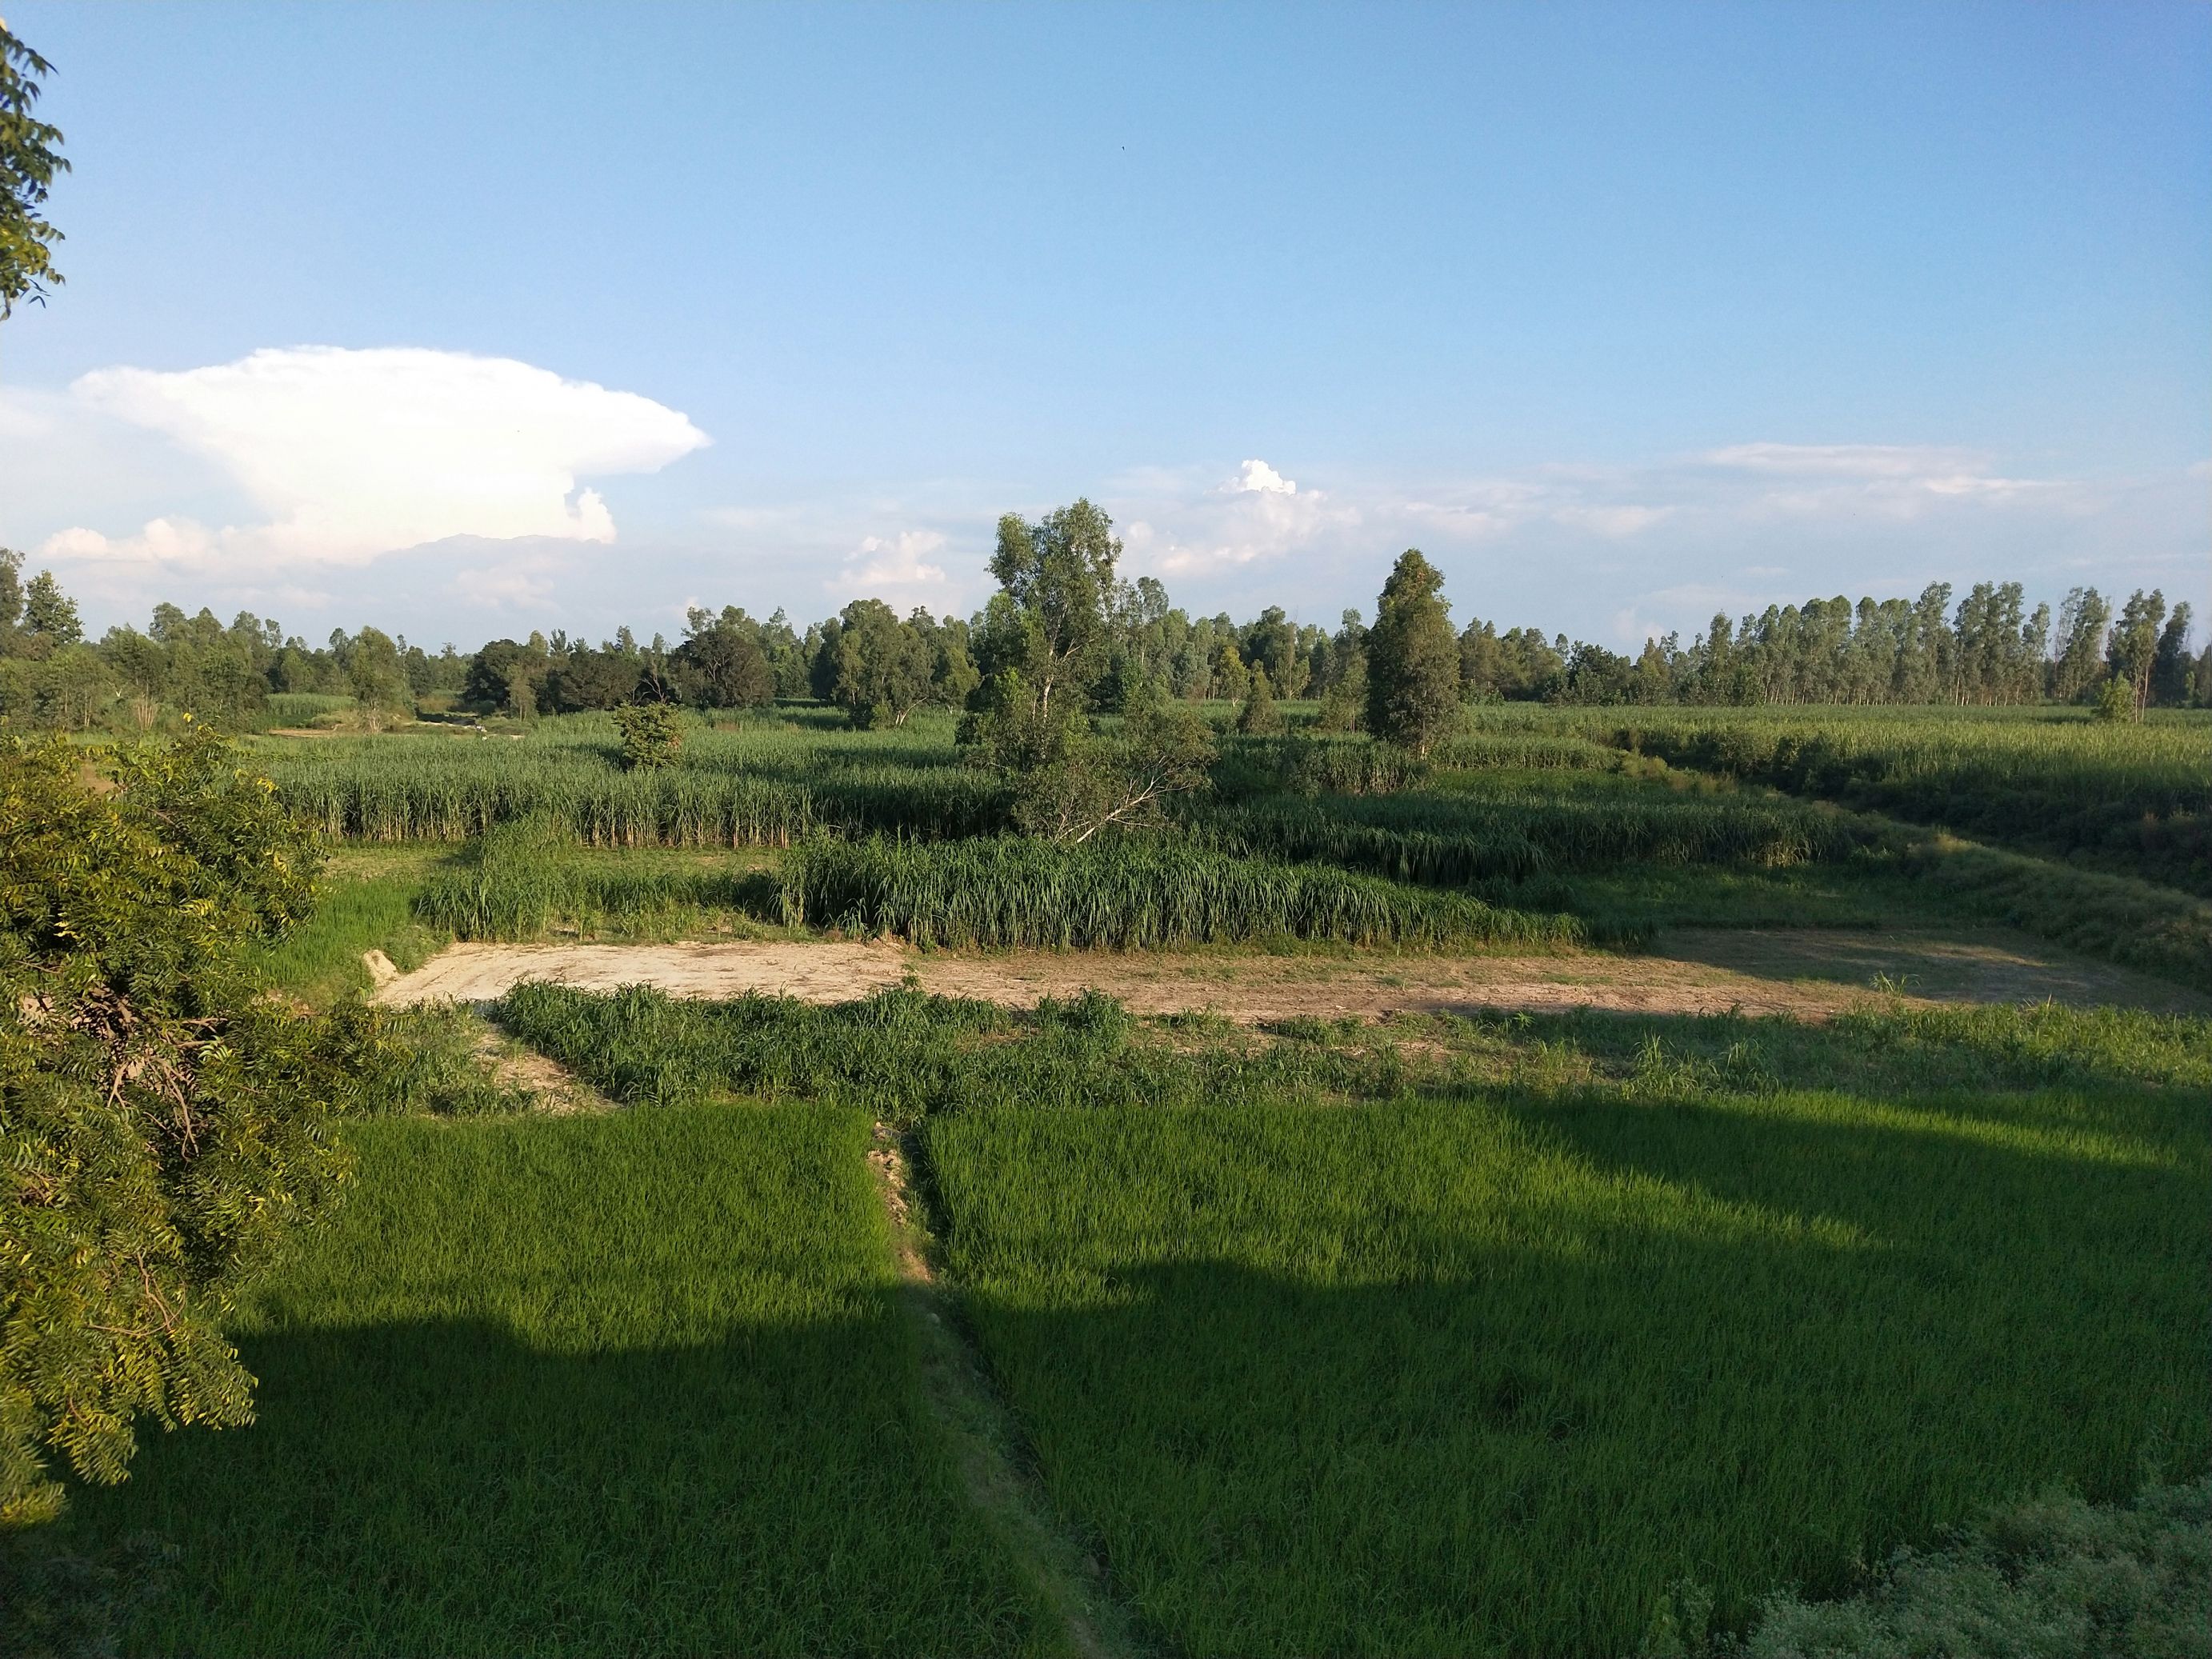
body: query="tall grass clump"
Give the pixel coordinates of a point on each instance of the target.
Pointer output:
(520, 878)
(1450, 840)
(1126, 895)
(761, 784)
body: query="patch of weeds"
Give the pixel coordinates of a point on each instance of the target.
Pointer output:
(2056, 1577)
(436, 1062)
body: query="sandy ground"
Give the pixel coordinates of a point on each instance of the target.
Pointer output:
(1808, 973)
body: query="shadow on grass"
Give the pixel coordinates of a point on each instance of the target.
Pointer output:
(1504, 1404)
(439, 1488)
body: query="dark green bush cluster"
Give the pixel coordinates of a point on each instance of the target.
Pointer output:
(2056, 1577)
(1125, 895)
(163, 1126)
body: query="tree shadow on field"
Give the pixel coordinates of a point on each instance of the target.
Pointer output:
(1751, 1351)
(439, 1487)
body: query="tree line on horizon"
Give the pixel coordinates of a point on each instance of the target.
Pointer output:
(879, 667)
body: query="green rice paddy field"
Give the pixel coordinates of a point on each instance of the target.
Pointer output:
(1508, 1334)
(1313, 1342)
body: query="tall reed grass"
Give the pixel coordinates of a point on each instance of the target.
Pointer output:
(520, 878)
(1126, 894)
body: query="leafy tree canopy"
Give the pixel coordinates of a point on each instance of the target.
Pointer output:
(1049, 622)
(30, 156)
(163, 1124)
(1412, 658)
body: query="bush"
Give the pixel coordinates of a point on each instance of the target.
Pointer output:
(2057, 1578)
(651, 732)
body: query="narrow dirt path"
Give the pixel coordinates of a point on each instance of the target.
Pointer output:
(1810, 974)
(985, 1442)
(554, 1089)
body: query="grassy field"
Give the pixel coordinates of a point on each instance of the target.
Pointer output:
(1535, 824)
(1483, 1336)
(1503, 1334)
(757, 781)
(1489, 1375)
(612, 1385)
(2135, 800)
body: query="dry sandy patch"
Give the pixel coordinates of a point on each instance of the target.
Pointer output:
(1810, 974)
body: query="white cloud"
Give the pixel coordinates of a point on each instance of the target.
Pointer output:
(895, 569)
(1614, 521)
(355, 453)
(1842, 460)
(1257, 477)
(1172, 528)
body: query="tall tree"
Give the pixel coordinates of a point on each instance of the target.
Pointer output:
(1412, 658)
(881, 665)
(49, 613)
(2082, 621)
(2171, 667)
(30, 157)
(2133, 653)
(1056, 580)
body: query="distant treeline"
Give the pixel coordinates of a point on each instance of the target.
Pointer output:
(880, 666)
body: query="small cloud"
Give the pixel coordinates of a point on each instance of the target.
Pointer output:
(161, 541)
(1840, 460)
(1257, 477)
(895, 568)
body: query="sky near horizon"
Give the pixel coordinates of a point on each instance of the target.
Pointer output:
(470, 320)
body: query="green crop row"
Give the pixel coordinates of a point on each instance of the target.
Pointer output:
(730, 791)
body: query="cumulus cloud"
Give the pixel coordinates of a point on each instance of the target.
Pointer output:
(1257, 477)
(1256, 516)
(355, 453)
(895, 568)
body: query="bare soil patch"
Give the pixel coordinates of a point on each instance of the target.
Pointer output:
(1810, 974)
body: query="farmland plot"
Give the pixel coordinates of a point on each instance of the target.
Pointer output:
(1491, 1376)
(623, 1384)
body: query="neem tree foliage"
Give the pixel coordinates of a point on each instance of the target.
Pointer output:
(163, 1122)
(30, 156)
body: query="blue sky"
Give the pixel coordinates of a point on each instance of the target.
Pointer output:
(468, 320)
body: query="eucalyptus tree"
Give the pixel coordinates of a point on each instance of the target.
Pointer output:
(1412, 658)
